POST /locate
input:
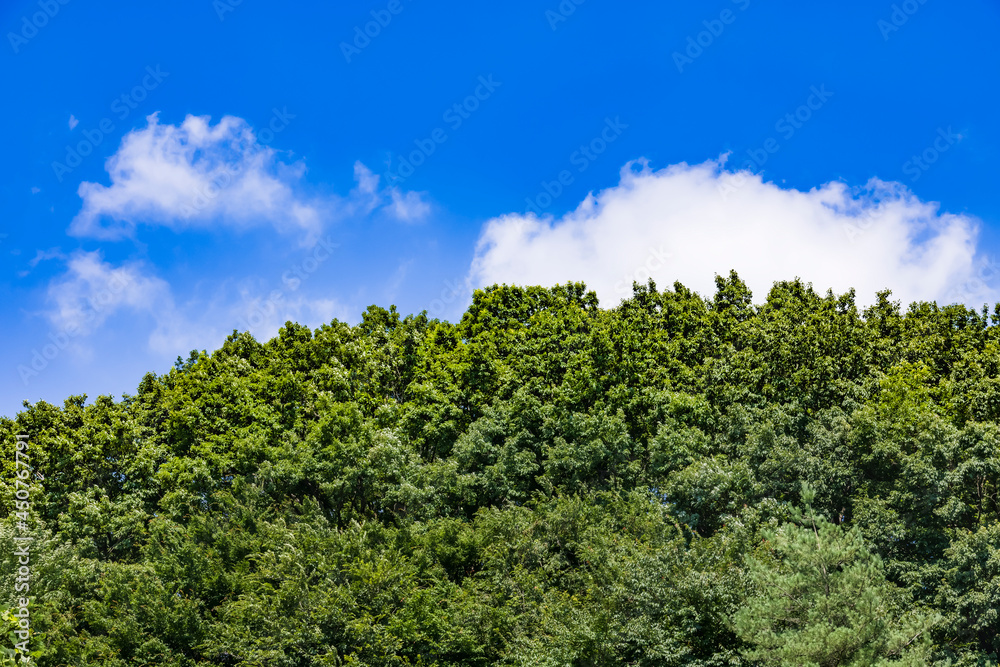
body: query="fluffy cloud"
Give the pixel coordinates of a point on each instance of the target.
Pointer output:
(689, 222)
(196, 174)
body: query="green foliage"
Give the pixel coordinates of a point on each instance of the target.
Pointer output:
(545, 482)
(823, 600)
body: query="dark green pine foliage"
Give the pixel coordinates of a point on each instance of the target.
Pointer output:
(545, 482)
(822, 598)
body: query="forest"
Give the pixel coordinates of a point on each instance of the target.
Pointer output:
(679, 479)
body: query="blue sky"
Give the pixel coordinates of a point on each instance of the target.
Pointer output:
(176, 170)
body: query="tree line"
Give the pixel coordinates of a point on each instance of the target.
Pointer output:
(677, 480)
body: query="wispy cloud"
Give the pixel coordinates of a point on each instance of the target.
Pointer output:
(73, 122)
(408, 206)
(263, 315)
(689, 222)
(43, 255)
(92, 290)
(404, 206)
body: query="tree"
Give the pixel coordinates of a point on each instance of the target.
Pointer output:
(824, 601)
(544, 482)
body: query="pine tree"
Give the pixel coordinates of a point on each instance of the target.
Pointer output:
(824, 601)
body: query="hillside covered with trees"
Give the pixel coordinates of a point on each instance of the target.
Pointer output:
(676, 480)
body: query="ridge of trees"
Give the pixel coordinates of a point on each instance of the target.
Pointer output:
(677, 480)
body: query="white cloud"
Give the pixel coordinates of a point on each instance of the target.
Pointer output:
(689, 222)
(408, 206)
(201, 175)
(43, 255)
(195, 175)
(73, 122)
(264, 314)
(201, 325)
(35, 190)
(366, 193)
(92, 290)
